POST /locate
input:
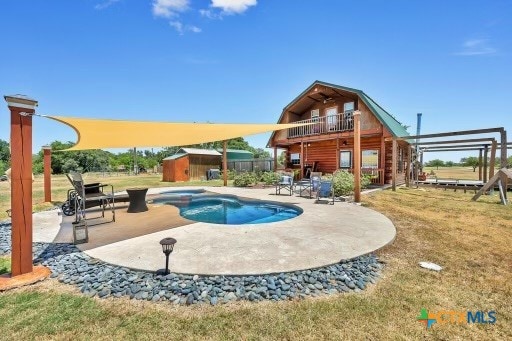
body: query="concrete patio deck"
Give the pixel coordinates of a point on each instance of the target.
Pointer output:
(322, 235)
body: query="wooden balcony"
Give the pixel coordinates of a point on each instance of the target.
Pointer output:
(323, 125)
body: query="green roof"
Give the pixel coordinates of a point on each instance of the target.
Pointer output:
(388, 120)
(242, 151)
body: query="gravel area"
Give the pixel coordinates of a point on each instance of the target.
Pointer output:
(94, 277)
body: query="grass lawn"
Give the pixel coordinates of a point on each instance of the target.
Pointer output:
(471, 240)
(5, 265)
(460, 173)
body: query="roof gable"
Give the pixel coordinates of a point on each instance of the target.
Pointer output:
(388, 120)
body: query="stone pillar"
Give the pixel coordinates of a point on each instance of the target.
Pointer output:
(47, 166)
(357, 156)
(21, 108)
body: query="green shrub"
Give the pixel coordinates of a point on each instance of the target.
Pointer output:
(270, 178)
(343, 182)
(244, 179)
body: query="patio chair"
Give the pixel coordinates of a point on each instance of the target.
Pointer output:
(309, 185)
(84, 196)
(325, 190)
(286, 183)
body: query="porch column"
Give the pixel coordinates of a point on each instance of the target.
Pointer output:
(21, 109)
(485, 163)
(393, 165)
(301, 160)
(357, 155)
(47, 166)
(225, 162)
(337, 153)
(275, 159)
(408, 167)
(480, 164)
(382, 160)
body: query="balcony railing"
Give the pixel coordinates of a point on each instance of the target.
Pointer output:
(323, 125)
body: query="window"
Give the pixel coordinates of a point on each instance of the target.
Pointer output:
(345, 159)
(315, 113)
(295, 159)
(370, 159)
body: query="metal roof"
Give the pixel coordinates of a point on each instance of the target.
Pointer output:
(198, 151)
(175, 156)
(242, 151)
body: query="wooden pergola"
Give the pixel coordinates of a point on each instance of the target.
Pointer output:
(482, 144)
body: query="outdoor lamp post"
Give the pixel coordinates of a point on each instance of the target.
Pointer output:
(167, 247)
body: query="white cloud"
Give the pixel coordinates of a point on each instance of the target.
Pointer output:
(475, 47)
(181, 29)
(233, 6)
(169, 8)
(105, 4)
(208, 13)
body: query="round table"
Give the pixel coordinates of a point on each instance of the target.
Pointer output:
(137, 197)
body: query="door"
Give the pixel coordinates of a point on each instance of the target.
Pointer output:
(332, 118)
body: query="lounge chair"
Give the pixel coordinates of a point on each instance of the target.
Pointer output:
(286, 183)
(325, 190)
(84, 196)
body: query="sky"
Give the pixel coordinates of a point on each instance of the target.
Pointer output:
(243, 61)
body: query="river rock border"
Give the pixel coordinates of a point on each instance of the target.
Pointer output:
(94, 277)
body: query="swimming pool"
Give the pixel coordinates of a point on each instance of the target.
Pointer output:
(231, 210)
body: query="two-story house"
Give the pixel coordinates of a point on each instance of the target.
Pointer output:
(327, 144)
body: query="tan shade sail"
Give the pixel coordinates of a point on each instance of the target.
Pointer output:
(99, 133)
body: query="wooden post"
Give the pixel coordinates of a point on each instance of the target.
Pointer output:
(301, 160)
(480, 165)
(357, 156)
(503, 160)
(393, 165)
(408, 167)
(275, 159)
(225, 162)
(337, 153)
(47, 166)
(21, 109)
(492, 161)
(485, 163)
(382, 161)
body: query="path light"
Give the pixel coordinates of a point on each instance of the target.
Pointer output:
(167, 247)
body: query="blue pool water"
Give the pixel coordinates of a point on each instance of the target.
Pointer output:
(220, 209)
(184, 192)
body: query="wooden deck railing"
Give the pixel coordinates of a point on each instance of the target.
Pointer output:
(376, 174)
(323, 125)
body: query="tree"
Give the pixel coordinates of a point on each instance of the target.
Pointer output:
(260, 153)
(5, 156)
(435, 163)
(470, 161)
(449, 163)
